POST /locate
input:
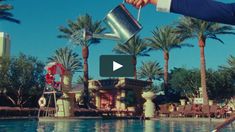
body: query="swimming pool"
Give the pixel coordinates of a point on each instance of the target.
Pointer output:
(99, 125)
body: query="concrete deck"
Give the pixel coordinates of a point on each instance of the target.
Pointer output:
(44, 119)
(190, 119)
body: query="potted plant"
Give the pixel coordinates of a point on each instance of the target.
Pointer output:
(149, 94)
(211, 102)
(182, 101)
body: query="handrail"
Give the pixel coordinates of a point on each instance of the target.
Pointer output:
(225, 123)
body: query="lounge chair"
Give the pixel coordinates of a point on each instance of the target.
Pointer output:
(188, 111)
(205, 110)
(179, 112)
(164, 110)
(197, 110)
(222, 113)
(213, 110)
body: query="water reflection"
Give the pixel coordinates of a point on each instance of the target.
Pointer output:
(149, 126)
(125, 126)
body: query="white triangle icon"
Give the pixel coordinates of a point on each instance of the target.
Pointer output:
(116, 66)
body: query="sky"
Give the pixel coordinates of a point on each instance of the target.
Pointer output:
(40, 20)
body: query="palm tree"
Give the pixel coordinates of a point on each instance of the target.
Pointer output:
(5, 14)
(70, 61)
(150, 70)
(231, 62)
(202, 30)
(231, 65)
(165, 39)
(134, 47)
(83, 22)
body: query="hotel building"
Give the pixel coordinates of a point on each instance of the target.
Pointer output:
(4, 45)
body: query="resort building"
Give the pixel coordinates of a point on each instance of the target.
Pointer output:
(118, 94)
(4, 45)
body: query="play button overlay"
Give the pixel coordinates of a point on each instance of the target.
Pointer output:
(116, 66)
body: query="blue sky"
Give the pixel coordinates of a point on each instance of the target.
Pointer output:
(40, 19)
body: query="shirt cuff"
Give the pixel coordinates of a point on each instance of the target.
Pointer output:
(164, 5)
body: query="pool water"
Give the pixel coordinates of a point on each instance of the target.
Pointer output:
(99, 125)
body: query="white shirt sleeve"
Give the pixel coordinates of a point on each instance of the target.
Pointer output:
(164, 5)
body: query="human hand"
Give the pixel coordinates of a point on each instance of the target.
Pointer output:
(141, 3)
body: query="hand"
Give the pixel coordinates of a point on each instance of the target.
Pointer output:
(141, 3)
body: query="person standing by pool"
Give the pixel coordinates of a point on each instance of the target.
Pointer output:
(208, 10)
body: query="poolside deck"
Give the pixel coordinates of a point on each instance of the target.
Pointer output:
(44, 119)
(191, 119)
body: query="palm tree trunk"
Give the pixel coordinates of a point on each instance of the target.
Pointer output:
(85, 55)
(166, 58)
(134, 63)
(203, 70)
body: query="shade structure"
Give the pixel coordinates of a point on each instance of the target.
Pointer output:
(55, 68)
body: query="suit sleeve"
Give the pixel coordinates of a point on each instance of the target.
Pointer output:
(208, 10)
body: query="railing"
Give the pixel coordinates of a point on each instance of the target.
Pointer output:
(225, 123)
